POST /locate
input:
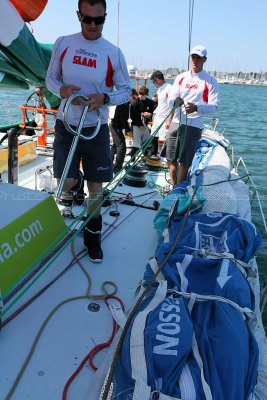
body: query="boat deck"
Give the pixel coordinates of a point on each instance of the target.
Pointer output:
(80, 323)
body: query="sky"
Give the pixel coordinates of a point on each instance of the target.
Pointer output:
(154, 34)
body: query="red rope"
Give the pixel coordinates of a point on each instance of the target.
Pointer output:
(89, 357)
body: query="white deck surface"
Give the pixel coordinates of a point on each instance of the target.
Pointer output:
(128, 243)
(74, 330)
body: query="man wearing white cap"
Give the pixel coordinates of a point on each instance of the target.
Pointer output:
(196, 91)
(162, 110)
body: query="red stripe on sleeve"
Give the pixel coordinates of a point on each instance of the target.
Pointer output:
(109, 76)
(206, 93)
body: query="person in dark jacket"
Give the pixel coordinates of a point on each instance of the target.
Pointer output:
(140, 115)
(147, 105)
(147, 109)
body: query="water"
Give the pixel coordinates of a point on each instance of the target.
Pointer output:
(243, 117)
(9, 105)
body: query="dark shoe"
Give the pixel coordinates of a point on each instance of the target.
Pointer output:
(92, 239)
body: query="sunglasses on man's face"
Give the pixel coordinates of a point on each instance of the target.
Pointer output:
(87, 19)
(196, 57)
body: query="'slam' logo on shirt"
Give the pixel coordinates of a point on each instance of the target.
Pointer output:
(189, 86)
(88, 62)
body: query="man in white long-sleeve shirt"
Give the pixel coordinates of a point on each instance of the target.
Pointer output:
(85, 63)
(162, 110)
(196, 91)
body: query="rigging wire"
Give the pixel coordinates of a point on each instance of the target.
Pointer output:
(190, 25)
(81, 254)
(103, 296)
(109, 378)
(126, 168)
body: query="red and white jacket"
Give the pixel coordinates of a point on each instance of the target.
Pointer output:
(200, 89)
(163, 107)
(96, 66)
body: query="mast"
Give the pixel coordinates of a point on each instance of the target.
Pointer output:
(118, 27)
(190, 26)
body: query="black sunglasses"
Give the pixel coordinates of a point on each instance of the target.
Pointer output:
(87, 19)
(196, 57)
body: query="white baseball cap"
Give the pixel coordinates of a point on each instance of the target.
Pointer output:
(199, 50)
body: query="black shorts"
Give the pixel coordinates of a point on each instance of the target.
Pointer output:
(94, 154)
(182, 149)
